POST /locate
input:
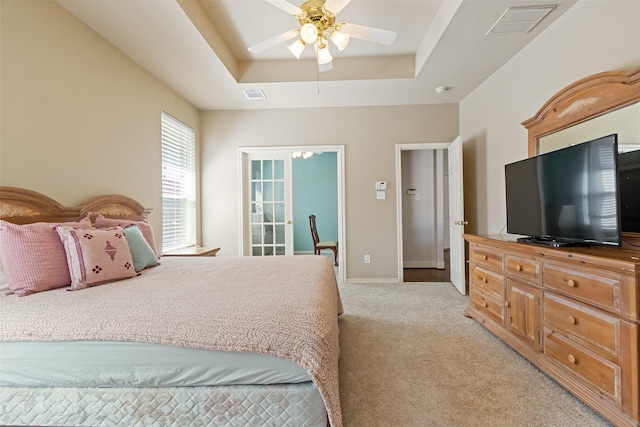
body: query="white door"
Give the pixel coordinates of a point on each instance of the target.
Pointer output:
(456, 216)
(268, 226)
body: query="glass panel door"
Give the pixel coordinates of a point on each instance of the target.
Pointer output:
(270, 208)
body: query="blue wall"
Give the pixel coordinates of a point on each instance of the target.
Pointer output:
(315, 192)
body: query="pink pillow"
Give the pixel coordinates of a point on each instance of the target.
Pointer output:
(96, 256)
(32, 256)
(144, 225)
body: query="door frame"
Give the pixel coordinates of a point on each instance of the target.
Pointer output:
(243, 152)
(399, 149)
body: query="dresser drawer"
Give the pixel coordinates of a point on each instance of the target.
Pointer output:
(487, 257)
(594, 326)
(594, 286)
(488, 306)
(487, 282)
(523, 268)
(592, 369)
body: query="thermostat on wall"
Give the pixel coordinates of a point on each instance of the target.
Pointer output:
(381, 185)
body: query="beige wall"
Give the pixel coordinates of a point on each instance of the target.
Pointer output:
(593, 36)
(369, 135)
(78, 118)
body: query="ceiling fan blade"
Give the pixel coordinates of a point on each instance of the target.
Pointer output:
(286, 6)
(335, 6)
(376, 35)
(273, 41)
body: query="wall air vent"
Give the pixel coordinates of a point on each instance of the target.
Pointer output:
(254, 94)
(519, 20)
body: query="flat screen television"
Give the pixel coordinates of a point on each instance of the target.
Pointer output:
(566, 197)
(629, 183)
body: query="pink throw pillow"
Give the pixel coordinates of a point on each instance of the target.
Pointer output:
(144, 225)
(33, 257)
(96, 256)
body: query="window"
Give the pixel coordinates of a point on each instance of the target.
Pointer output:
(178, 184)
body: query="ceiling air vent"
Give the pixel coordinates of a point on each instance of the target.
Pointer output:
(519, 20)
(254, 94)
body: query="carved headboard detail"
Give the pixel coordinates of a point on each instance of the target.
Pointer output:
(22, 206)
(114, 206)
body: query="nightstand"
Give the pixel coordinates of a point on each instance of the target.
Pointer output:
(193, 251)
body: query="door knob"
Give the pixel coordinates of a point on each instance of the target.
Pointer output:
(289, 221)
(461, 222)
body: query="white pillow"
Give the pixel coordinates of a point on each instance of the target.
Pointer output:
(4, 285)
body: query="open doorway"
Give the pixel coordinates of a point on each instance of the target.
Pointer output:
(259, 230)
(430, 212)
(425, 227)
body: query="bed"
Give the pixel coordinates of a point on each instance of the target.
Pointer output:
(222, 341)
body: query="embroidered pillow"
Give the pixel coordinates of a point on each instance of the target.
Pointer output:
(141, 253)
(32, 256)
(145, 227)
(96, 256)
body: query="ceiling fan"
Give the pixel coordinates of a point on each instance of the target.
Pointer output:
(318, 24)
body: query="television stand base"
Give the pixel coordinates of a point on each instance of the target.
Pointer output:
(547, 242)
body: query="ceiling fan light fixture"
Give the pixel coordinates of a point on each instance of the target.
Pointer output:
(309, 33)
(296, 48)
(340, 39)
(324, 56)
(317, 24)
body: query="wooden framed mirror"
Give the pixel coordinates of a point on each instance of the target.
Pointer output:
(579, 106)
(594, 106)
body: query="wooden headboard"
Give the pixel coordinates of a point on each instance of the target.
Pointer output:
(21, 206)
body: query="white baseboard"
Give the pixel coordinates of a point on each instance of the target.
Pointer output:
(303, 252)
(376, 280)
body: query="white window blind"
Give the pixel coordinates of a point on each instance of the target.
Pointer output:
(178, 184)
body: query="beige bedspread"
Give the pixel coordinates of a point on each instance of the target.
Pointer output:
(282, 306)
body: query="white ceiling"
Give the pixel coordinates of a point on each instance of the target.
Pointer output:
(199, 48)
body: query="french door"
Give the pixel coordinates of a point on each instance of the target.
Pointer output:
(268, 212)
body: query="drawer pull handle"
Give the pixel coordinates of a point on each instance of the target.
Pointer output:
(484, 257)
(485, 280)
(571, 283)
(572, 358)
(518, 267)
(506, 304)
(484, 304)
(572, 320)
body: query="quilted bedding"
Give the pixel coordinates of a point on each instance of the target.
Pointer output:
(282, 306)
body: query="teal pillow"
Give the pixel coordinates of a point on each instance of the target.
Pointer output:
(142, 254)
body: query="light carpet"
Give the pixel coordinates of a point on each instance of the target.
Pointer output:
(409, 357)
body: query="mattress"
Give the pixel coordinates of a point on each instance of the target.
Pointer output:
(291, 405)
(134, 364)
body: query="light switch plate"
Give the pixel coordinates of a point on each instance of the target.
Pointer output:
(381, 195)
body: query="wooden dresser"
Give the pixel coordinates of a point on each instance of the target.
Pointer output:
(572, 312)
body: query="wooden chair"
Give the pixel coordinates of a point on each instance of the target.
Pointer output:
(318, 245)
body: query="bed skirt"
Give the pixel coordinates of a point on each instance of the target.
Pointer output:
(284, 405)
